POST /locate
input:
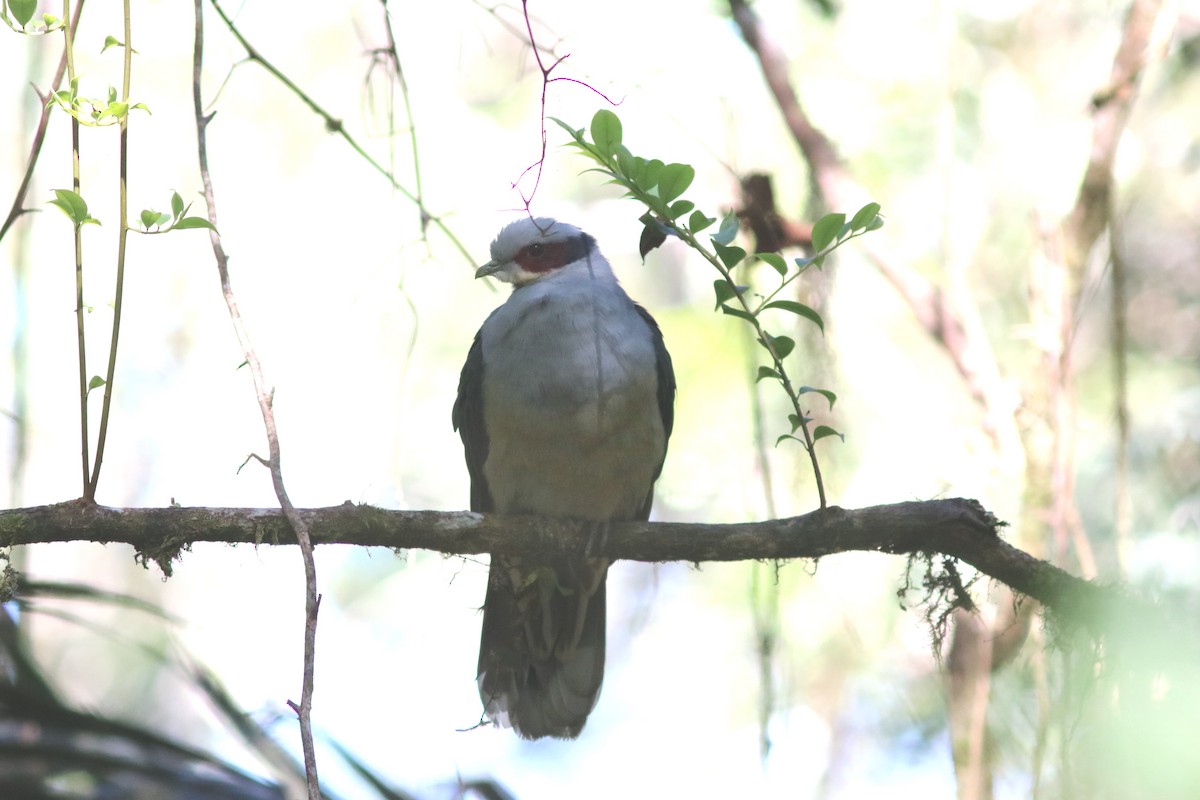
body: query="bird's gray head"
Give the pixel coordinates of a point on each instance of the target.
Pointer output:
(532, 248)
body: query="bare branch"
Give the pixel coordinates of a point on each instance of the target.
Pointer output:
(942, 314)
(959, 528)
(312, 600)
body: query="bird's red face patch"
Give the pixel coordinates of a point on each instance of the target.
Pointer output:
(542, 257)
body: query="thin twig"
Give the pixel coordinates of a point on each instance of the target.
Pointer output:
(538, 166)
(312, 600)
(335, 125)
(394, 56)
(18, 205)
(939, 312)
(85, 444)
(122, 239)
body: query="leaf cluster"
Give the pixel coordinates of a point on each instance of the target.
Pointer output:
(660, 186)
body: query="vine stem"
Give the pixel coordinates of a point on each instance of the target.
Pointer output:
(69, 55)
(767, 343)
(265, 395)
(122, 240)
(335, 125)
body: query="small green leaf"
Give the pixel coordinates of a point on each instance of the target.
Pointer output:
(51, 21)
(799, 308)
(22, 10)
(828, 395)
(775, 260)
(698, 222)
(680, 208)
(149, 218)
(675, 180)
(115, 110)
(824, 430)
(192, 222)
(825, 231)
(95, 383)
(730, 255)
(875, 224)
(786, 436)
(176, 205)
(767, 372)
(737, 312)
(864, 216)
(73, 206)
(728, 230)
(574, 133)
(782, 344)
(724, 291)
(648, 172)
(606, 132)
(796, 421)
(626, 161)
(110, 41)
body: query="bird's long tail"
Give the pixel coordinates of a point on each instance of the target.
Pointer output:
(541, 656)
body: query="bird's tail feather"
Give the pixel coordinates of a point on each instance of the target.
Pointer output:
(541, 656)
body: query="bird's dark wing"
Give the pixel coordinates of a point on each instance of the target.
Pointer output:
(468, 421)
(666, 397)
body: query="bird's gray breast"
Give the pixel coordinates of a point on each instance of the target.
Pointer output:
(569, 398)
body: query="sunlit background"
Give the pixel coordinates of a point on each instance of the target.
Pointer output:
(969, 122)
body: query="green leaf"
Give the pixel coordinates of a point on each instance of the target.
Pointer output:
(22, 10)
(736, 312)
(176, 205)
(574, 133)
(626, 162)
(95, 383)
(864, 216)
(51, 21)
(730, 255)
(698, 222)
(828, 395)
(775, 260)
(724, 291)
(799, 308)
(112, 41)
(149, 218)
(73, 206)
(782, 344)
(824, 430)
(767, 372)
(796, 421)
(192, 222)
(793, 438)
(875, 224)
(647, 178)
(677, 210)
(728, 230)
(115, 110)
(606, 132)
(826, 230)
(675, 180)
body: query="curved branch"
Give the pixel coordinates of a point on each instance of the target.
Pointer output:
(960, 528)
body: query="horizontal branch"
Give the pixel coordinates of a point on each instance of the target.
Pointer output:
(958, 528)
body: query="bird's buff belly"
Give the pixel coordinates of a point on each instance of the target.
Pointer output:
(599, 477)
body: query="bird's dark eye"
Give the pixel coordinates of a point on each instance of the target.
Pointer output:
(537, 249)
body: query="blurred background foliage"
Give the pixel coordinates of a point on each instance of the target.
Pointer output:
(970, 123)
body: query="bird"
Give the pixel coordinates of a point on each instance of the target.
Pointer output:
(565, 405)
